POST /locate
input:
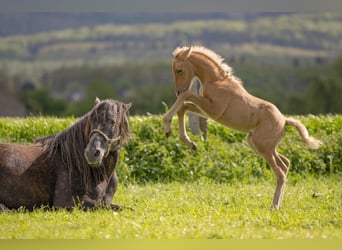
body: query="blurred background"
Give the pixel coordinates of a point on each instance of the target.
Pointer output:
(55, 63)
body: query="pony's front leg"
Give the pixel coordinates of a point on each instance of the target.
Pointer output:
(187, 106)
(110, 191)
(183, 136)
(167, 117)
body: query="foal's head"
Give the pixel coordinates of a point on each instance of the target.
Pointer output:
(107, 128)
(199, 61)
(183, 71)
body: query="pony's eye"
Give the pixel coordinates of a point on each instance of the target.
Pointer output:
(179, 71)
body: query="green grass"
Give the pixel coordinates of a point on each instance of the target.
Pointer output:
(312, 209)
(221, 191)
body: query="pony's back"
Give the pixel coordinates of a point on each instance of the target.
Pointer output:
(24, 179)
(17, 158)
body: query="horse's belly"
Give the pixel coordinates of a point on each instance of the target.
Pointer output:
(16, 192)
(235, 123)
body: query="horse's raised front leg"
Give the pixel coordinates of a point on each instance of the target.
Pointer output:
(202, 103)
(183, 136)
(210, 107)
(167, 117)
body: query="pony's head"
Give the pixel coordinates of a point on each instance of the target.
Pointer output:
(107, 129)
(183, 71)
(198, 61)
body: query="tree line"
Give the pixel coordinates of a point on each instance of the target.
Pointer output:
(294, 88)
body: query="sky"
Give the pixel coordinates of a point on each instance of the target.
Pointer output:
(131, 6)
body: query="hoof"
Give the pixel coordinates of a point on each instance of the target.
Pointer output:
(194, 147)
(118, 208)
(3, 208)
(274, 207)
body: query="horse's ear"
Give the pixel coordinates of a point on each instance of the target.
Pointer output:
(97, 100)
(127, 106)
(187, 53)
(182, 52)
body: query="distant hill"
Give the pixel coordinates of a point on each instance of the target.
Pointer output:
(25, 23)
(112, 39)
(290, 59)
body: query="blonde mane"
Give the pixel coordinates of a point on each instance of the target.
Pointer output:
(223, 68)
(223, 99)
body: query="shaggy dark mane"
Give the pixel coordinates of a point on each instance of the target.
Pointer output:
(71, 142)
(59, 171)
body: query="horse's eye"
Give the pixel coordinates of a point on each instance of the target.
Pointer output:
(179, 71)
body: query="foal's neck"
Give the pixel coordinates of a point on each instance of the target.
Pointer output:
(207, 70)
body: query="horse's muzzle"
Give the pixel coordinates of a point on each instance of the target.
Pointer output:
(180, 91)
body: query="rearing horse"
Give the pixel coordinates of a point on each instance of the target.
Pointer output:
(224, 99)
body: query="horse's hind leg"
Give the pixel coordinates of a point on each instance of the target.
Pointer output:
(182, 134)
(267, 150)
(277, 166)
(283, 162)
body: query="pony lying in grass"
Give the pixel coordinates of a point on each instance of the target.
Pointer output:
(224, 99)
(74, 167)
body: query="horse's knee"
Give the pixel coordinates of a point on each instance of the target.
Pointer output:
(166, 119)
(181, 112)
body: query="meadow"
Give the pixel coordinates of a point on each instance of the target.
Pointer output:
(198, 210)
(221, 191)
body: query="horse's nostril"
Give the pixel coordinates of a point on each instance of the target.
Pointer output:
(97, 153)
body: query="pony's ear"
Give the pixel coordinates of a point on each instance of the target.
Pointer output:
(187, 53)
(182, 52)
(127, 106)
(97, 100)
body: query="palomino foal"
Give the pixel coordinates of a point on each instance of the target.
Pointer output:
(224, 99)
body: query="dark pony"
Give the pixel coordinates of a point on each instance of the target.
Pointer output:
(75, 167)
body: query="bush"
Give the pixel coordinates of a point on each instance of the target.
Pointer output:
(223, 157)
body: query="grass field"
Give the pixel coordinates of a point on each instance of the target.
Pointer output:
(222, 191)
(312, 209)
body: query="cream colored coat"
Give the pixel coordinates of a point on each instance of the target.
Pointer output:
(224, 99)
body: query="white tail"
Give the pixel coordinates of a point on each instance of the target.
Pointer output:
(308, 140)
